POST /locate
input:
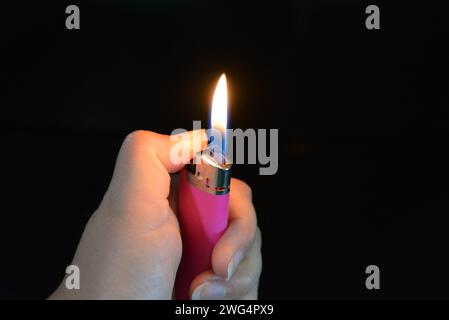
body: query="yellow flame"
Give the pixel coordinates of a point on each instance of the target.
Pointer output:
(219, 117)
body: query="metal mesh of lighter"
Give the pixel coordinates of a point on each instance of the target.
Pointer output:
(202, 213)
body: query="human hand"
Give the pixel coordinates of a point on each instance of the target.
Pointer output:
(131, 246)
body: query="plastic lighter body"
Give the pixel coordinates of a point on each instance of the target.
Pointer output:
(203, 217)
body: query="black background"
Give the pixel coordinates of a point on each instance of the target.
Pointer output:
(362, 118)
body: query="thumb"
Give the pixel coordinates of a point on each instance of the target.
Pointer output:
(141, 173)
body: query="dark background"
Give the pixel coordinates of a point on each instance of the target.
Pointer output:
(362, 118)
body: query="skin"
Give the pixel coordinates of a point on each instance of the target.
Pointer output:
(131, 246)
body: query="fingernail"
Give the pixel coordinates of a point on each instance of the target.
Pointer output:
(209, 291)
(199, 139)
(233, 264)
(202, 136)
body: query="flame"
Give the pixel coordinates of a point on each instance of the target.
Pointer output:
(219, 116)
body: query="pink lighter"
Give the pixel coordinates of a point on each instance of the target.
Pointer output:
(204, 199)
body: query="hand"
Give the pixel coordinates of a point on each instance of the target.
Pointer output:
(131, 247)
(236, 259)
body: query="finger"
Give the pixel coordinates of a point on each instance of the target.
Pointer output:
(145, 150)
(233, 246)
(141, 174)
(255, 270)
(198, 283)
(242, 285)
(174, 191)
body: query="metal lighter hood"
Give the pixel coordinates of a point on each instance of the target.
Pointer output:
(210, 172)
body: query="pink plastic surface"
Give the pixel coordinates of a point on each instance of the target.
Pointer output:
(203, 218)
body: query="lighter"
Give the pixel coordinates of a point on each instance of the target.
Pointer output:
(204, 199)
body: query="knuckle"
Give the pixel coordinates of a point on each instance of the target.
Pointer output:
(243, 186)
(135, 137)
(142, 139)
(258, 237)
